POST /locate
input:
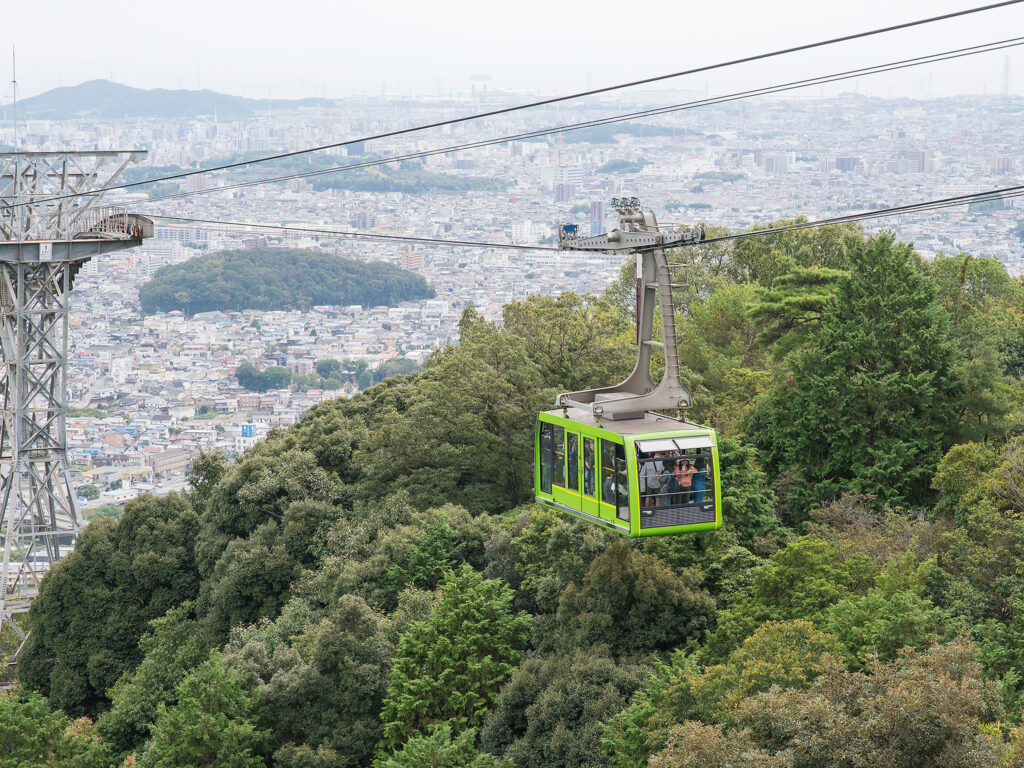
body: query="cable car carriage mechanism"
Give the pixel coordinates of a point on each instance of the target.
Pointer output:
(605, 455)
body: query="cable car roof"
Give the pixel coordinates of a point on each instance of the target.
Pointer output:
(651, 422)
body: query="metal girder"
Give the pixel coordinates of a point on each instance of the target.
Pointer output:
(36, 498)
(630, 241)
(43, 243)
(639, 233)
(30, 180)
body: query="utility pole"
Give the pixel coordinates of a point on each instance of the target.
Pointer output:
(45, 238)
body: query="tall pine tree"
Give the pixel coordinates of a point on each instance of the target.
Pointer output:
(212, 725)
(867, 408)
(449, 667)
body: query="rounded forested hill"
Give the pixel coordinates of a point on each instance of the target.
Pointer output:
(277, 279)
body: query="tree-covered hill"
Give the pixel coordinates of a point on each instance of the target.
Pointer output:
(373, 588)
(277, 279)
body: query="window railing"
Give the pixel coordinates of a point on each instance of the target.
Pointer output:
(675, 479)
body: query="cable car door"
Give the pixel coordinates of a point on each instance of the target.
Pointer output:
(614, 482)
(589, 478)
(573, 468)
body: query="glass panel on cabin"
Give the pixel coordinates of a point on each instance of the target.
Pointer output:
(558, 476)
(572, 461)
(547, 456)
(589, 468)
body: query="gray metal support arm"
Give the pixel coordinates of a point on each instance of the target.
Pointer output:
(636, 394)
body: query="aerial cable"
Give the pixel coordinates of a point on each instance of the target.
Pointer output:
(1004, 193)
(360, 235)
(652, 112)
(548, 101)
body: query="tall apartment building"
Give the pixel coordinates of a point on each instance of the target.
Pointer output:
(412, 260)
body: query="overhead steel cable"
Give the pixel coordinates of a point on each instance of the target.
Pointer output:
(612, 119)
(553, 99)
(356, 234)
(1003, 193)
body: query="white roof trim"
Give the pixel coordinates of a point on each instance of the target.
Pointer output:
(674, 443)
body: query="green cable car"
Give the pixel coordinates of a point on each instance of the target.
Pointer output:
(625, 475)
(606, 455)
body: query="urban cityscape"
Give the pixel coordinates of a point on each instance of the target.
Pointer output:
(147, 393)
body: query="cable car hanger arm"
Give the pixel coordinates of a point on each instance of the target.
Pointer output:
(638, 233)
(619, 241)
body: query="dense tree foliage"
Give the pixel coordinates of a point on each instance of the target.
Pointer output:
(550, 712)
(171, 648)
(277, 279)
(441, 748)
(449, 667)
(787, 654)
(95, 605)
(251, 378)
(320, 681)
(372, 588)
(210, 724)
(457, 434)
(868, 408)
(921, 710)
(32, 736)
(631, 603)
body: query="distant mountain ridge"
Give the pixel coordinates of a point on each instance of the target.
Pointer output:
(109, 100)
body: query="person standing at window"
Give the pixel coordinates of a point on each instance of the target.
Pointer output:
(700, 477)
(650, 480)
(669, 484)
(684, 476)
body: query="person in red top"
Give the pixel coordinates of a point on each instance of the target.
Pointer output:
(684, 476)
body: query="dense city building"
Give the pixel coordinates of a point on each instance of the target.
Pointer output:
(151, 391)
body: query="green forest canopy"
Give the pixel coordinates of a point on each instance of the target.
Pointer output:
(277, 279)
(373, 588)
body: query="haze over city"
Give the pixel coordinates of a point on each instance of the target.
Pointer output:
(309, 48)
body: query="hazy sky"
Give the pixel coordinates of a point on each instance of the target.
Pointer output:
(313, 48)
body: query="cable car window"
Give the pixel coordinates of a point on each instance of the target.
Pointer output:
(651, 471)
(622, 482)
(674, 477)
(608, 495)
(558, 475)
(589, 479)
(702, 478)
(547, 456)
(615, 478)
(572, 461)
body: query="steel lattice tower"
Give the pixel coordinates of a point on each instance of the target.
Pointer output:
(45, 238)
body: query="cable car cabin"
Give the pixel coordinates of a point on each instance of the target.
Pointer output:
(629, 475)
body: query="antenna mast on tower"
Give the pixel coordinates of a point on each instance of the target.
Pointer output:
(14, 94)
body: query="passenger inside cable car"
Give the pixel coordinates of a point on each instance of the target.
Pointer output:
(674, 478)
(648, 476)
